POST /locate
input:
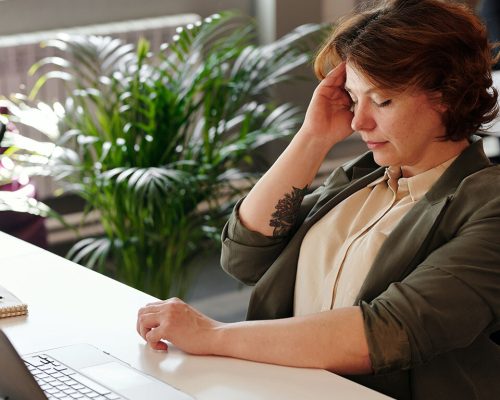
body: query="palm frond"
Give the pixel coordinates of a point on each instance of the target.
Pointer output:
(91, 251)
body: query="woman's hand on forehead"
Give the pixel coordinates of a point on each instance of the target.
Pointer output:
(329, 114)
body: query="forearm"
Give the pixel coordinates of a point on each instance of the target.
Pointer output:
(332, 340)
(271, 206)
(290, 175)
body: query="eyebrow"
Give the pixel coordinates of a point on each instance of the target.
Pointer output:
(369, 91)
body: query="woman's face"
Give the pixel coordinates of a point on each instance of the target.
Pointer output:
(401, 130)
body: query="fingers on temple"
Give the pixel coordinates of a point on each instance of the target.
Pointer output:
(336, 77)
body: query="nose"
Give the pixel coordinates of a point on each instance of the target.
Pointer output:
(363, 119)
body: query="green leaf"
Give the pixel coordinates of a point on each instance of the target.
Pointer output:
(92, 250)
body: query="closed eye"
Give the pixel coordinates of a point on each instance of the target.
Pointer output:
(384, 103)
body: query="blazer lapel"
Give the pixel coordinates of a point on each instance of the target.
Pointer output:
(403, 248)
(326, 202)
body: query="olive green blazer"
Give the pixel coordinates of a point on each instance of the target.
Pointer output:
(431, 301)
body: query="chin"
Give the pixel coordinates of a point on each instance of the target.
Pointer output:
(387, 157)
(383, 161)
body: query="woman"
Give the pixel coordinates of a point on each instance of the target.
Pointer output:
(389, 272)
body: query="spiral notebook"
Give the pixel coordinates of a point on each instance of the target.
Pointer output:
(10, 305)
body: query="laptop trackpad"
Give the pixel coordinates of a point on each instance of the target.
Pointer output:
(116, 376)
(131, 383)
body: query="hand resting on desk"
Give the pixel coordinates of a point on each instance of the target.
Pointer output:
(297, 341)
(177, 322)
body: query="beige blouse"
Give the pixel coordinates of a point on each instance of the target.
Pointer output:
(338, 251)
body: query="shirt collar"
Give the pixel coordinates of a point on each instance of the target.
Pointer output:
(417, 185)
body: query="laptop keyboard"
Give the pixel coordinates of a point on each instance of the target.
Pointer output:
(62, 383)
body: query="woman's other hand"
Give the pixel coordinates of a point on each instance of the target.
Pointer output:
(177, 322)
(329, 113)
(295, 342)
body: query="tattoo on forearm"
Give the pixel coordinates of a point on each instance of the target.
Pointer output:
(287, 211)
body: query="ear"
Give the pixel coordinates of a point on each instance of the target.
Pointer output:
(437, 102)
(441, 107)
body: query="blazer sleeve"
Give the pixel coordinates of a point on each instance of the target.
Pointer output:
(247, 255)
(445, 303)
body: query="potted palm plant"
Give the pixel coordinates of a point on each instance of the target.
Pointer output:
(158, 142)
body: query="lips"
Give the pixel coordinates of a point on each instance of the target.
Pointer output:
(375, 145)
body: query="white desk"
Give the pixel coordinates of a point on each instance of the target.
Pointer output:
(70, 304)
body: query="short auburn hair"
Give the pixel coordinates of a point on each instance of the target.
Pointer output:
(434, 46)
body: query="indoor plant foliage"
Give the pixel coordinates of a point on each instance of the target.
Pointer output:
(156, 141)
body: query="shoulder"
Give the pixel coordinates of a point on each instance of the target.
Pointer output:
(478, 196)
(481, 184)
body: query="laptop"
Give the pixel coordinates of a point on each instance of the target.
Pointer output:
(75, 372)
